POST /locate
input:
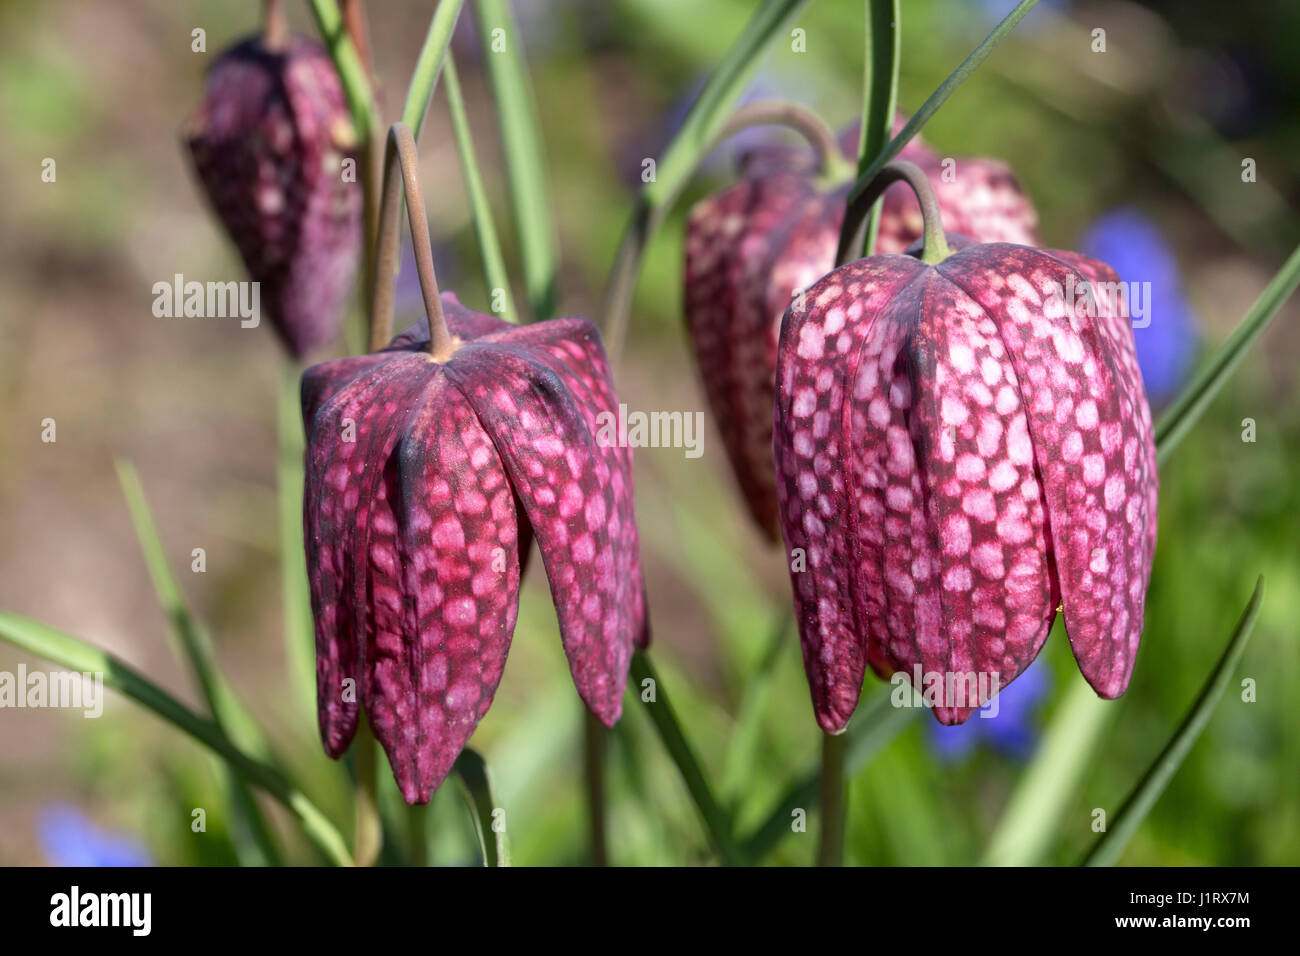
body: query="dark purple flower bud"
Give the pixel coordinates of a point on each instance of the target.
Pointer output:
(268, 144)
(751, 248)
(963, 450)
(426, 481)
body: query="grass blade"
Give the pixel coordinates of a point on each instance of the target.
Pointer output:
(879, 94)
(521, 143)
(77, 655)
(476, 783)
(1178, 420)
(489, 246)
(191, 644)
(717, 822)
(352, 72)
(425, 77)
(1148, 790)
(674, 166)
(295, 593)
(927, 110)
(874, 727)
(1031, 821)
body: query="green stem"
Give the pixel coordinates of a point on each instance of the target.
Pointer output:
(879, 94)
(523, 151)
(935, 246)
(489, 246)
(595, 741)
(76, 655)
(939, 97)
(717, 822)
(425, 77)
(830, 852)
(368, 832)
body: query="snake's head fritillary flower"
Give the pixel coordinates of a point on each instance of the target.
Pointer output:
(268, 143)
(963, 449)
(426, 481)
(754, 246)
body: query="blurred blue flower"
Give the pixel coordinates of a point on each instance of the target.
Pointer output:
(1011, 732)
(1131, 243)
(69, 838)
(408, 300)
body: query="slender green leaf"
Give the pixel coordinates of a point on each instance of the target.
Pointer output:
(747, 736)
(875, 725)
(1148, 790)
(77, 655)
(521, 143)
(489, 246)
(472, 773)
(707, 115)
(352, 73)
(880, 93)
(1178, 420)
(940, 96)
(295, 593)
(192, 645)
(1031, 822)
(717, 821)
(425, 77)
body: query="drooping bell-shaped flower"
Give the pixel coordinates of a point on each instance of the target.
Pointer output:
(431, 465)
(753, 246)
(963, 448)
(426, 481)
(268, 143)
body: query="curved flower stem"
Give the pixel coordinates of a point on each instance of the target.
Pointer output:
(831, 850)
(717, 821)
(275, 27)
(652, 207)
(595, 742)
(400, 152)
(935, 247)
(368, 835)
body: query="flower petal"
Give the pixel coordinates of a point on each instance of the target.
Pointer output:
(572, 491)
(444, 586)
(817, 362)
(1091, 445)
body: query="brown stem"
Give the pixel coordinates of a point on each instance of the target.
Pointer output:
(935, 246)
(400, 152)
(275, 26)
(648, 215)
(354, 21)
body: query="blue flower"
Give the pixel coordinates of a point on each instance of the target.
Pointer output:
(1130, 242)
(1011, 732)
(69, 838)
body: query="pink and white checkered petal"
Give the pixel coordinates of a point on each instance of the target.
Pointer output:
(1088, 445)
(988, 576)
(566, 482)
(727, 235)
(982, 199)
(816, 370)
(444, 574)
(343, 433)
(572, 348)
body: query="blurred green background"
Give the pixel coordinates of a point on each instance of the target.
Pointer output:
(1157, 125)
